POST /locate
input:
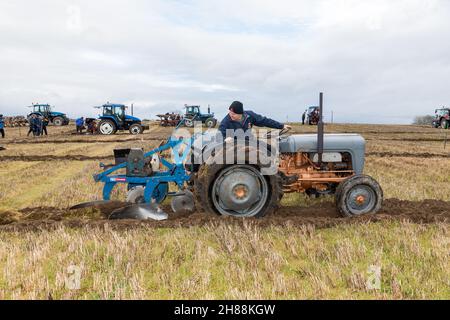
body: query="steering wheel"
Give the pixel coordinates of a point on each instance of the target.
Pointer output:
(284, 131)
(282, 134)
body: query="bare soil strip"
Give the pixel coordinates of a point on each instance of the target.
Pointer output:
(408, 139)
(408, 155)
(320, 216)
(387, 132)
(33, 158)
(28, 141)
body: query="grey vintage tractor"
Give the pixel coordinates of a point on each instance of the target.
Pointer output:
(330, 165)
(244, 178)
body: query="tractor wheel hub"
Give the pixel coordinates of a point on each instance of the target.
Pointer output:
(239, 191)
(360, 199)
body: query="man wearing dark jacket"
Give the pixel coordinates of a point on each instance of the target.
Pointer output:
(44, 126)
(80, 125)
(39, 124)
(237, 119)
(2, 126)
(32, 120)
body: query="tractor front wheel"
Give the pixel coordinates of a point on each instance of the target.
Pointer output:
(107, 127)
(357, 195)
(444, 124)
(58, 121)
(210, 123)
(136, 129)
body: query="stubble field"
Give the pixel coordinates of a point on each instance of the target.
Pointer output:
(305, 250)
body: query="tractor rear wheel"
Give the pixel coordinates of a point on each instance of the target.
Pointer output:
(58, 121)
(136, 129)
(107, 127)
(238, 187)
(237, 190)
(210, 122)
(357, 195)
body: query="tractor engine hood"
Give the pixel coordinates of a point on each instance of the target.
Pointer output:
(354, 144)
(131, 118)
(351, 143)
(57, 114)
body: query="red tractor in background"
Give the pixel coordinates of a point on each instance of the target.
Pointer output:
(442, 118)
(312, 115)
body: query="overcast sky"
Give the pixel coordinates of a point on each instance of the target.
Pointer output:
(379, 61)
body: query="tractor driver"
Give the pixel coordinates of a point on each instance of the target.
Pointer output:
(237, 119)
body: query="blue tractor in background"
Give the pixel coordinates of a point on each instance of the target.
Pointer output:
(114, 118)
(194, 114)
(57, 118)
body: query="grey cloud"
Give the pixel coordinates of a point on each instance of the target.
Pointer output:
(377, 61)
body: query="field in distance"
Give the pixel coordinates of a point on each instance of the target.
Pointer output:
(304, 251)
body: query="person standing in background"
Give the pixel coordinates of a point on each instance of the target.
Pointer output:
(80, 124)
(44, 126)
(2, 126)
(39, 124)
(32, 123)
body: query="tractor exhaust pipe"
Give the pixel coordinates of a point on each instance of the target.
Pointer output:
(320, 130)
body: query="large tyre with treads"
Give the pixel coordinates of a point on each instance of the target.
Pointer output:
(210, 122)
(239, 190)
(136, 129)
(358, 195)
(58, 121)
(107, 127)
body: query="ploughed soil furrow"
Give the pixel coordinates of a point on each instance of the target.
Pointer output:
(32, 141)
(408, 154)
(321, 216)
(398, 134)
(74, 157)
(393, 132)
(408, 139)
